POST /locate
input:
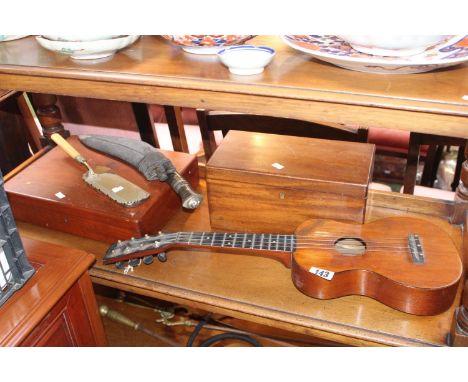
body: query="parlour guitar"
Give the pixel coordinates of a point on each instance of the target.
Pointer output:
(406, 263)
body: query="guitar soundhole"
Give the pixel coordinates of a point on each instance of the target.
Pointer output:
(350, 246)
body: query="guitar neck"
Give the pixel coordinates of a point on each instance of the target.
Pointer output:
(275, 246)
(247, 241)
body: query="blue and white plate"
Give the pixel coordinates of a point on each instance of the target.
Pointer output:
(332, 49)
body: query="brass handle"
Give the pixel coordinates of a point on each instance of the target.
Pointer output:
(116, 316)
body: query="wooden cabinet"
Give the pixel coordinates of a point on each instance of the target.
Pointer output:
(57, 306)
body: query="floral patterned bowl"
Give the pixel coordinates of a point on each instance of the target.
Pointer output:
(206, 43)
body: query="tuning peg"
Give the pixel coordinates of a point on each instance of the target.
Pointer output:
(134, 262)
(148, 260)
(162, 257)
(120, 264)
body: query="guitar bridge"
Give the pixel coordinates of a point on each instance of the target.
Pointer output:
(415, 247)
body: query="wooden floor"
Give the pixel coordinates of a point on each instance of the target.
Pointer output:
(139, 311)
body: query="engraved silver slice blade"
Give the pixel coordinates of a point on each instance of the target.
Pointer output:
(117, 188)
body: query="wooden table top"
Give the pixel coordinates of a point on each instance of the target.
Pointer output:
(261, 290)
(293, 85)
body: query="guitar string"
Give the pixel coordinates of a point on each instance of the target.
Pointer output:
(206, 235)
(272, 234)
(258, 238)
(298, 245)
(258, 241)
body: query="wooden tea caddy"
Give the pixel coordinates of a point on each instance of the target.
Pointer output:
(273, 183)
(50, 192)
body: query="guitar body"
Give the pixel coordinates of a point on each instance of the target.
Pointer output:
(382, 266)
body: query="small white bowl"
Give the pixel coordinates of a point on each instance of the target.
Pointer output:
(246, 60)
(87, 50)
(392, 45)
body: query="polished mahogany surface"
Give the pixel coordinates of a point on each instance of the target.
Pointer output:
(57, 305)
(261, 290)
(184, 79)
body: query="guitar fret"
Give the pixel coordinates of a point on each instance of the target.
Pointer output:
(224, 239)
(281, 242)
(262, 236)
(277, 240)
(269, 241)
(234, 244)
(201, 238)
(213, 239)
(190, 237)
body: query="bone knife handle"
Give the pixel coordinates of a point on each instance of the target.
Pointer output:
(67, 147)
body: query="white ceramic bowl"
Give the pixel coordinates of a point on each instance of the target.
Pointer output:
(79, 37)
(246, 59)
(87, 50)
(392, 45)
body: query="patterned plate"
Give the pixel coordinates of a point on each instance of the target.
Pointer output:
(332, 49)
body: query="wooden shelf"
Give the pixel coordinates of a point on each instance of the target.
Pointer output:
(260, 290)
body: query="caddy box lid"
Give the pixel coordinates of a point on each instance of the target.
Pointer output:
(320, 165)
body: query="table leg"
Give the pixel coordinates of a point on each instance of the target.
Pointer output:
(49, 116)
(412, 163)
(145, 125)
(176, 128)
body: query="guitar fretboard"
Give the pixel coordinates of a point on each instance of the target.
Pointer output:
(268, 242)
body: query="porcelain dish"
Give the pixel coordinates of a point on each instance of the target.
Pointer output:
(208, 43)
(452, 51)
(10, 37)
(79, 37)
(87, 50)
(392, 45)
(246, 59)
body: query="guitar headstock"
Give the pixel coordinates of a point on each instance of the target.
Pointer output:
(138, 247)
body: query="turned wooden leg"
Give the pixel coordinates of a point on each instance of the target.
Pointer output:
(461, 194)
(459, 333)
(176, 128)
(49, 116)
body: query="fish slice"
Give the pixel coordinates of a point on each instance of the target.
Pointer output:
(114, 186)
